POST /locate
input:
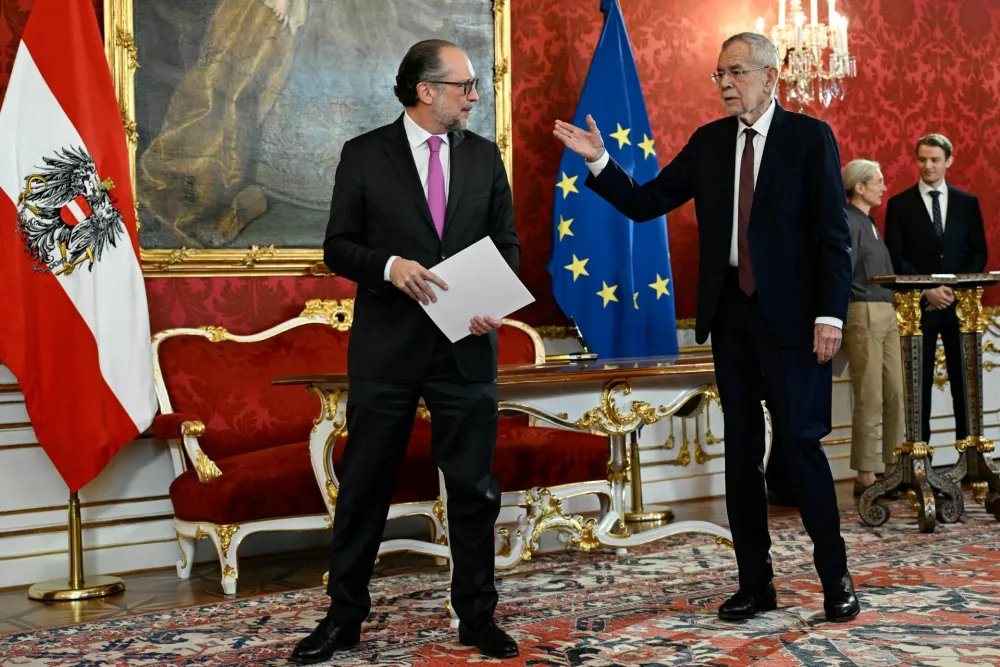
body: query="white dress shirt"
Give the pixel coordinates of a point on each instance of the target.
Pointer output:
(925, 194)
(417, 137)
(762, 126)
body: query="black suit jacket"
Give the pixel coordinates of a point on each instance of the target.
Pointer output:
(799, 237)
(916, 248)
(379, 209)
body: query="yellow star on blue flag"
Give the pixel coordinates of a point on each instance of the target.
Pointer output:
(622, 257)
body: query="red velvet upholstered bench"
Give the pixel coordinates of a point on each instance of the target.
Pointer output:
(240, 446)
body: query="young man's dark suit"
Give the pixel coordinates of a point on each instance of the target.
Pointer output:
(799, 243)
(396, 355)
(916, 249)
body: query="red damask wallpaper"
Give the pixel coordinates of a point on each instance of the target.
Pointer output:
(923, 65)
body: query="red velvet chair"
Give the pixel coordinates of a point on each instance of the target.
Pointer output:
(240, 445)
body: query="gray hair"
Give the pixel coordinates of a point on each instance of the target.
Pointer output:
(858, 171)
(762, 50)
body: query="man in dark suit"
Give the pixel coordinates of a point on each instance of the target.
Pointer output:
(407, 196)
(930, 228)
(773, 285)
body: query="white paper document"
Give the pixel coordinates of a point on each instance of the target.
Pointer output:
(480, 284)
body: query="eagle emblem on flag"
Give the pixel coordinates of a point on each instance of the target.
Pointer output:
(66, 215)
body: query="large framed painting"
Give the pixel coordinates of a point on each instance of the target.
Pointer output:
(236, 112)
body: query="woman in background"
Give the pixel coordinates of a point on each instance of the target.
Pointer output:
(871, 335)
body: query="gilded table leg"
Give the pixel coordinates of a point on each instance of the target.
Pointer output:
(973, 464)
(913, 456)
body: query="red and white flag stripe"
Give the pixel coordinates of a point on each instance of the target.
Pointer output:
(78, 341)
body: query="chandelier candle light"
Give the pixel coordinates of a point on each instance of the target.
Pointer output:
(801, 45)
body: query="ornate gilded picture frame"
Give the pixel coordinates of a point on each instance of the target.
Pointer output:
(236, 110)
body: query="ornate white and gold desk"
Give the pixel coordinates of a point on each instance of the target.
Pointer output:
(615, 398)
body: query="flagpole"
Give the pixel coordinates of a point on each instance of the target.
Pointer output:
(76, 587)
(639, 513)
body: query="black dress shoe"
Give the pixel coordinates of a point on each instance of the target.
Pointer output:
(744, 605)
(328, 636)
(839, 600)
(488, 638)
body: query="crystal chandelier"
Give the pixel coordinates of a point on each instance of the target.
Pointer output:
(801, 47)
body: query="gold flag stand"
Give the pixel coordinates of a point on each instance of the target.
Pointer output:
(76, 588)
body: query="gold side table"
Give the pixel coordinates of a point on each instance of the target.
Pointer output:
(935, 497)
(973, 466)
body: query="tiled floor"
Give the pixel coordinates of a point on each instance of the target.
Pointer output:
(152, 591)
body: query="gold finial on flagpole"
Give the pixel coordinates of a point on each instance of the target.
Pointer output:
(76, 587)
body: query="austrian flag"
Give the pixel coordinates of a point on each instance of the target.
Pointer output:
(74, 326)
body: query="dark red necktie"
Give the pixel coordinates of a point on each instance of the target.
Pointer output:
(743, 215)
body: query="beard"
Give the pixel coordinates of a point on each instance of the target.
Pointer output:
(452, 122)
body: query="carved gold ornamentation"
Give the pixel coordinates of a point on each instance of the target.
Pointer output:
(623, 476)
(206, 468)
(914, 449)
(979, 491)
(683, 455)
(545, 512)
(701, 456)
(228, 572)
(940, 365)
(127, 44)
(505, 550)
(908, 312)
(913, 499)
(331, 492)
(326, 579)
(217, 334)
(340, 314)
(721, 541)
(971, 314)
(131, 132)
(502, 84)
(256, 254)
(609, 417)
(225, 533)
(438, 510)
(195, 429)
(588, 540)
(423, 413)
(982, 443)
(184, 557)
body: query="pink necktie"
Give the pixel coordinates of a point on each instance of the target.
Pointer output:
(435, 184)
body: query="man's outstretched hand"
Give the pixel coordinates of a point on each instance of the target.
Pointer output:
(588, 144)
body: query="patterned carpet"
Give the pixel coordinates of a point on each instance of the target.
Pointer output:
(927, 600)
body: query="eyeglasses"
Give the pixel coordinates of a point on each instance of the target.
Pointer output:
(467, 86)
(719, 75)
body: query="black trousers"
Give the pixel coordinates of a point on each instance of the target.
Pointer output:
(463, 438)
(944, 323)
(750, 367)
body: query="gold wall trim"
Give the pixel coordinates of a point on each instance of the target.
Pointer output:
(102, 547)
(10, 389)
(86, 526)
(14, 426)
(123, 59)
(24, 445)
(96, 503)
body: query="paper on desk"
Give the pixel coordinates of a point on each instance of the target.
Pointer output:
(480, 284)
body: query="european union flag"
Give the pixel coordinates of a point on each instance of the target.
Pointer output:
(611, 275)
